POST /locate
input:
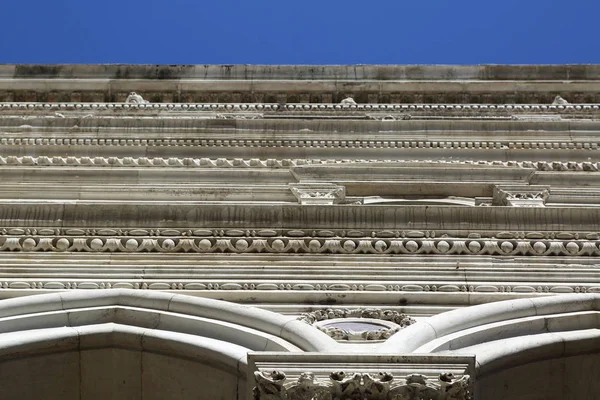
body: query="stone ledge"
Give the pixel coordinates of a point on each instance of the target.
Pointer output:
(357, 72)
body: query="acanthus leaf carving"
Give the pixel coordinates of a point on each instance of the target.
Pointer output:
(341, 386)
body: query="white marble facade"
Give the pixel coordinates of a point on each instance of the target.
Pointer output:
(297, 232)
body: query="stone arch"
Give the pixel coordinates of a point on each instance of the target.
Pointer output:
(138, 344)
(525, 348)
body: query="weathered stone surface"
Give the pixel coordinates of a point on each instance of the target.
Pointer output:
(316, 190)
(297, 84)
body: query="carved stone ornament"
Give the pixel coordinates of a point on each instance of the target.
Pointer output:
(390, 322)
(369, 143)
(296, 241)
(559, 101)
(280, 163)
(240, 116)
(135, 98)
(526, 196)
(342, 386)
(318, 193)
(442, 109)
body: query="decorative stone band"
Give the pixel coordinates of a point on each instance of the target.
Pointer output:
(431, 246)
(370, 144)
(188, 162)
(342, 386)
(487, 289)
(300, 107)
(310, 376)
(400, 320)
(301, 143)
(273, 234)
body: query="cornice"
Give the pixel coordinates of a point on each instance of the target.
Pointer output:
(534, 113)
(360, 72)
(104, 136)
(425, 91)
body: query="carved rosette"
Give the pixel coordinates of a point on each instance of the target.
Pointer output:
(341, 386)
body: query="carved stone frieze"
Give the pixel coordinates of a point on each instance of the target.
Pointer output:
(398, 319)
(360, 386)
(298, 143)
(189, 162)
(445, 108)
(433, 246)
(320, 286)
(320, 234)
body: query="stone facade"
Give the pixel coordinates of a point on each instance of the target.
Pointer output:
(299, 232)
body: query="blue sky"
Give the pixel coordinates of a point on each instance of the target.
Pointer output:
(300, 32)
